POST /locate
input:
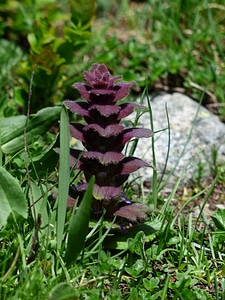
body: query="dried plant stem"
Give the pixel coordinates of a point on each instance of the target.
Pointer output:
(37, 219)
(25, 142)
(12, 265)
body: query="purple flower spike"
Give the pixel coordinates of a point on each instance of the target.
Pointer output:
(104, 138)
(101, 87)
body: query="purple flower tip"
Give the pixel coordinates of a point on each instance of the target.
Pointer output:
(99, 77)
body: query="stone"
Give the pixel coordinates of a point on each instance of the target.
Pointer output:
(194, 132)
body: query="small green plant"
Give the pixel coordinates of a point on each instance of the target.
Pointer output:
(48, 44)
(10, 55)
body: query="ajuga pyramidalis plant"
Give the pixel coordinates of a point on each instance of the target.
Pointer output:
(104, 139)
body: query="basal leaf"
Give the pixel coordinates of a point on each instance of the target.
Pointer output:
(219, 219)
(12, 198)
(64, 175)
(78, 227)
(10, 121)
(38, 124)
(11, 127)
(63, 291)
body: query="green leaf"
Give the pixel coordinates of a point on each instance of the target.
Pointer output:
(11, 127)
(219, 219)
(10, 55)
(12, 137)
(76, 37)
(16, 121)
(78, 227)
(63, 291)
(64, 49)
(124, 241)
(34, 42)
(39, 196)
(12, 199)
(137, 268)
(64, 175)
(82, 11)
(151, 284)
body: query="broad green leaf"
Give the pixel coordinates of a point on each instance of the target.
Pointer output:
(12, 137)
(63, 291)
(64, 49)
(137, 268)
(219, 219)
(64, 175)
(11, 127)
(10, 121)
(78, 227)
(151, 284)
(12, 198)
(34, 42)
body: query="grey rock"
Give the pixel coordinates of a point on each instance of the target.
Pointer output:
(194, 131)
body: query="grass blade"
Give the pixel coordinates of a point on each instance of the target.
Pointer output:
(64, 175)
(155, 178)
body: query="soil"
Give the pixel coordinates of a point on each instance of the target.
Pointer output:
(216, 199)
